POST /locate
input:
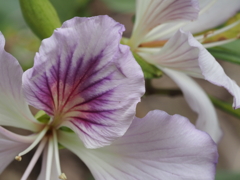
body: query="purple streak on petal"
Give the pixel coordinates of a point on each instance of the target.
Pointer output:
(158, 146)
(83, 76)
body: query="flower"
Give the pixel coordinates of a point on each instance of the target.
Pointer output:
(89, 85)
(179, 55)
(81, 79)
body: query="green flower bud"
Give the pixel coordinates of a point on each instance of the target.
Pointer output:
(41, 16)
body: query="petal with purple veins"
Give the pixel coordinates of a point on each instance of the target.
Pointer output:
(86, 80)
(159, 146)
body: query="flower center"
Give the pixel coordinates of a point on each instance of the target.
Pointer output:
(47, 139)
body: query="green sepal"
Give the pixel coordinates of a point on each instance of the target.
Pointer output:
(149, 70)
(41, 17)
(66, 129)
(42, 117)
(225, 106)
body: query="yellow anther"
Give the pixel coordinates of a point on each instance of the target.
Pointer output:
(18, 158)
(63, 176)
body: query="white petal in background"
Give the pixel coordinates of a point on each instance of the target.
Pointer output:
(151, 13)
(14, 110)
(217, 14)
(199, 102)
(9, 149)
(185, 54)
(158, 146)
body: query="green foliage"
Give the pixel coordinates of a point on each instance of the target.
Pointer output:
(226, 175)
(67, 9)
(149, 70)
(226, 54)
(42, 117)
(227, 107)
(124, 6)
(41, 17)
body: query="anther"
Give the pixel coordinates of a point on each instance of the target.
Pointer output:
(18, 158)
(63, 176)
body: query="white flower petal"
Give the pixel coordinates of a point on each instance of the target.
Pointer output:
(199, 102)
(159, 146)
(214, 16)
(151, 13)
(9, 149)
(210, 18)
(184, 53)
(14, 110)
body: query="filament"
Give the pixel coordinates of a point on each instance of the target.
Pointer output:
(56, 153)
(216, 32)
(49, 159)
(34, 159)
(36, 141)
(218, 43)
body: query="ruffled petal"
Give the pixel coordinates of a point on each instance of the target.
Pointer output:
(151, 13)
(214, 15)
(199, 102)
(159, 146)
(14, 110)
(9, 149)
(184, 53)
(85, 79)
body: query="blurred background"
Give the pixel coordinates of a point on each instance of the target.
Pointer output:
(23, 44)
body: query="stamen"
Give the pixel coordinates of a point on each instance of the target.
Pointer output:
(56, 153)
(36, 141)
(18, 158)
(63, 176)
(218, 43)
(49, 159)
(209, 34)
(34, 159)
